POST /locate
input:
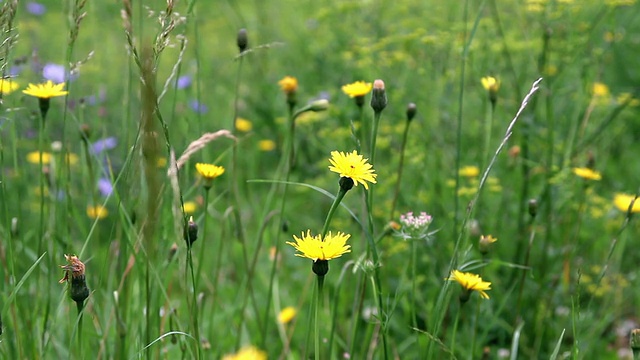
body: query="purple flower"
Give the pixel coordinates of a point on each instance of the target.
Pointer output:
(35, 8)
(105, 187)
(54, 72)
(198, 107)
(184, 81)
(103, 144)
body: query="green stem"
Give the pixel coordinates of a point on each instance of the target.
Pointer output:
(455, 331)
(80, 307)
(371, 245)
(203, 235)
(332, 210)
(194, 307)
(488, 129)
(316, 322)
(414, 251)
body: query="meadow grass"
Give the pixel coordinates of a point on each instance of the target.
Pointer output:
(475, 121)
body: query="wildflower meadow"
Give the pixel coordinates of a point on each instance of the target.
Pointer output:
(341, 179)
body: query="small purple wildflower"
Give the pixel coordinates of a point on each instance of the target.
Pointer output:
(54, 72)
(105, 187)
(35, 8)
(198, 107)
(103, 145)
(184, 81)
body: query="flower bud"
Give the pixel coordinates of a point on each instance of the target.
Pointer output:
(190, 232)
(411, 111)
(486, 243)
(533, 207)
(346, 183)
(14, 227)
(75, 277)
(242, 40)
(320, 267)
(319, 105)
(378, 96)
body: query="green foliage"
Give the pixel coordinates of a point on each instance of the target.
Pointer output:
(563, 277)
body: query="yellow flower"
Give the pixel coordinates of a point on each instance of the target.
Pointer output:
(209, 171)
(587, 173)
(471, 282)
(97, 212)
(600, 90)
(7, 86)
(189, 207)
(490, 83)
(469, 171)
(247, 353)
(353, 166)
(314, 248)
(34, 157)
(288, 84)
(287, 314)
(161, 162)
(72, 158)
(243, 125)
(46, 90)
(266, 145)
(358, 88)
(485, 243)
(623, 201)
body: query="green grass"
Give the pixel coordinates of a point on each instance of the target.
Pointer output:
(563, 272)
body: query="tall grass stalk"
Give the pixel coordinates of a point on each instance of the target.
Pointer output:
(378, 103)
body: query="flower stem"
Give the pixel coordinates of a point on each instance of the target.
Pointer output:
(332, 210)
(80, 307)
(204, 235)
(194, 307)
(316, 322)
(455, 331)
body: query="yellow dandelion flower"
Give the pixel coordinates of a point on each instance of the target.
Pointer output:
(600, 90)
(490, 83)
(288, 84)
(353, 166)
(161, 162)
(315, 248)
(209, 171)
(471, 282)
(266, 145)
(358, 88)
(34, 157)
(588, 174)
(7, 86)
(189, 207)
(72, 158)
(623, 201)
(469, 171)
(97, 212)
(247, 353)
(243, 125)
(287, 314)
(46, 90)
